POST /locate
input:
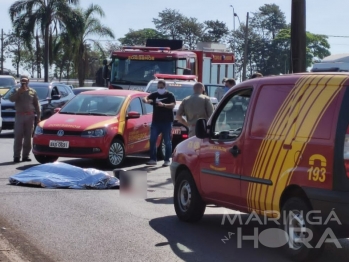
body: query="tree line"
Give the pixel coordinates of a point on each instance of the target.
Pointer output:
(60, 33)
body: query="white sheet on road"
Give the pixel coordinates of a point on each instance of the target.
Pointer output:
(62, 175)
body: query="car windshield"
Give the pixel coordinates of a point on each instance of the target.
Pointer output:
(41, 90)
(180, 90)
(7, 82)
(139, 71)
(86, 104)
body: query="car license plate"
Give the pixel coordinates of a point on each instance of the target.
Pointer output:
(8, 119)
(176, 131)
(59, 144)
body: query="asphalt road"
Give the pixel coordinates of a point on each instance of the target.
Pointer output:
(102, 225)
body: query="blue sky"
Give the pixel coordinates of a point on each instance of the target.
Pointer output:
(323, 16)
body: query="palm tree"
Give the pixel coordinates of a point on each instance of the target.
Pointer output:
(91, 27)
(49, 16)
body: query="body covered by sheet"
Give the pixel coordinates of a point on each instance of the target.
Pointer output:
(61, 175)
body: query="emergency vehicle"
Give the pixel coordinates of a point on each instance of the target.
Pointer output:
(133, 67)
(103, 124)
(274, 146)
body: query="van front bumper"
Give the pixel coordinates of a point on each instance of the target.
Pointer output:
(333, 205)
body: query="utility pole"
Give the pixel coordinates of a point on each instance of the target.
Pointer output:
(2, 52)
(246, 49)
(298, 36)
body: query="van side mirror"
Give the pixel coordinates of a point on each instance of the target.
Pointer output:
(201, 128)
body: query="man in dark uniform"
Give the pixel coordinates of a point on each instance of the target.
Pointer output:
(26, 105)
(163, 102)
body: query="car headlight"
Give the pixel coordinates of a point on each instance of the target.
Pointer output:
(39, 130)
(99, 132)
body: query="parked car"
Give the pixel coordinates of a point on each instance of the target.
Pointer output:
(102, 124)
(50, 97)
(181, 86)
(6, 82)
(278, 147)
(78, 90)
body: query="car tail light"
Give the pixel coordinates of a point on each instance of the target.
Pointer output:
(184, 136)
(346, 152)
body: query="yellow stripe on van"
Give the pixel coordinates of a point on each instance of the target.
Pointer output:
(314, 94)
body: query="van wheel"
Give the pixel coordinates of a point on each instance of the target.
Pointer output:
(294, 223)
(44, 159)
(188, 203)
(161, 151)
(116, 153)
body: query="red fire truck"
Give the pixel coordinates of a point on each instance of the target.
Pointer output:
(133, 67)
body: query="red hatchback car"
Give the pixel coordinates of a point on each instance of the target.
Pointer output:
(103, 124)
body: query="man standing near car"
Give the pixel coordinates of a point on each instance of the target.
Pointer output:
(26, 105)
(194, 107)
(163, 103)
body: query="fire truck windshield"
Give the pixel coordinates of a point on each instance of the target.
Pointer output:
(179, 89)
(139, 71)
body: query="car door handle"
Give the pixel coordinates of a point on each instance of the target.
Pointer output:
(235, 151)
(146, 124)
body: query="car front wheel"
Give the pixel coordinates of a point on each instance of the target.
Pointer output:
(116, 154)
(44, 159)
(298, 230)
(188, 203)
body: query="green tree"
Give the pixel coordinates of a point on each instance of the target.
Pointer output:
(317, 45)
(214, 31)
(269, 43)
(91, 26)
(169, 23)
(49, 16)
(14, 49)
(191, 31)
(139, 37)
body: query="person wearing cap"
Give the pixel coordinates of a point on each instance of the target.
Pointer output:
(194, 107)
(26, 105)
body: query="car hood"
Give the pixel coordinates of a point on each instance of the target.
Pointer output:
(77, 122)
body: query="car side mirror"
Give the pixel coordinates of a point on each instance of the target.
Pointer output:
(56, 110)
(56, 97)
(133, 114)
(201, 128)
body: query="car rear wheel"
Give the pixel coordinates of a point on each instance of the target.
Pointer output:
(295, 223)
(116, 154)
(44, 159)
(188, 203)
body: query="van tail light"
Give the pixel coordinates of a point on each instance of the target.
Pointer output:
(346, 152)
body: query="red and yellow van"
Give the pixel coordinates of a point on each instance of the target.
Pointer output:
(272, 146)
(103, 124)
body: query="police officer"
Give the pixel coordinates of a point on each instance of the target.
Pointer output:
(194, 107)
(26, 105)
